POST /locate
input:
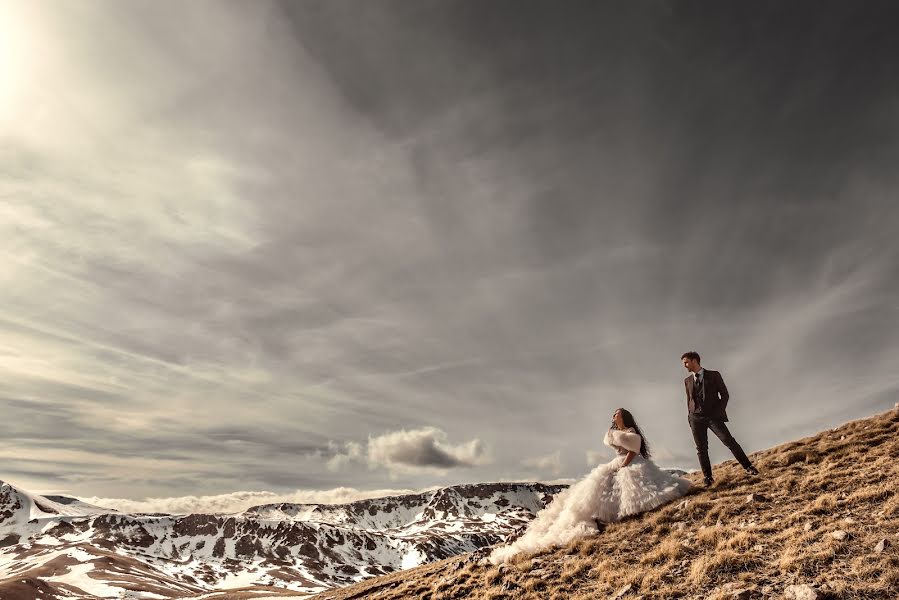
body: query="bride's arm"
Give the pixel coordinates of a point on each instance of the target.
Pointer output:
(627, 459)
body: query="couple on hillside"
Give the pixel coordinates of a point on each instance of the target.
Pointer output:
(631, 483)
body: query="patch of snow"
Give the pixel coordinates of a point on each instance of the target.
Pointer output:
(413, 558)
(77, 577)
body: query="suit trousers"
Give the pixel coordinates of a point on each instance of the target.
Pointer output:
(700, 425)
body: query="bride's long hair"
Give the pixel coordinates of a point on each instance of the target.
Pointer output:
(629, 421)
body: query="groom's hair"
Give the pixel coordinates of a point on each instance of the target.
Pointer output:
(691, 355)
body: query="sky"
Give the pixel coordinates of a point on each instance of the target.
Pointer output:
(322, 250)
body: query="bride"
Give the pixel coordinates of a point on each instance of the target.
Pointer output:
(628, 484)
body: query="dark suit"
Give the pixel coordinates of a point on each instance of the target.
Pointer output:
(706, 409)
(714, 396)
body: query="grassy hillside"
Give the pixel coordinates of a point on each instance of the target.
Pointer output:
(824, 514)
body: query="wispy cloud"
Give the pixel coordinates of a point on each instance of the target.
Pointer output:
(241, 501)
(233, 233)
(551, 464)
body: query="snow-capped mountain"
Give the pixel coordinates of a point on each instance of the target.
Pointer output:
(59, 547)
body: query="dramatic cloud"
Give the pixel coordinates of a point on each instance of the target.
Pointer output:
(352, 453)
(425, 448)
(420, 450)
(305, 245)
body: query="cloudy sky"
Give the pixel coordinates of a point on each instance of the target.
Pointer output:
(321, 249)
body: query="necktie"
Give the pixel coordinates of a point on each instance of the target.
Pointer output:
(697, 389)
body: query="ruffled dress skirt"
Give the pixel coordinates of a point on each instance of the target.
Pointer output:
(607, 494)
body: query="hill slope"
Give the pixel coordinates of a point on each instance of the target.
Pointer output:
(822, 521)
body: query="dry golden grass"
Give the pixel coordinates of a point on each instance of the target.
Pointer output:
(668, 549)
(710, 536)
(808, 558)
(720, 539)
(711, 566)
(575, 569)
(740, 540)
(891, 506)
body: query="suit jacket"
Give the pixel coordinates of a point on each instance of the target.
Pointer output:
(716, 395)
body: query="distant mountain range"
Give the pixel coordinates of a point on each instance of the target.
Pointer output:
(60, 547)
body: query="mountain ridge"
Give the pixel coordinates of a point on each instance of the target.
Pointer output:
(286, 547)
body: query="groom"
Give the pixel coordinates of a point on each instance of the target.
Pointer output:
(707, 398)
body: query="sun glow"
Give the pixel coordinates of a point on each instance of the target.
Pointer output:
(16, 52)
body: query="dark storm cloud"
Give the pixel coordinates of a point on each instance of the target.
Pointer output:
(303, 223)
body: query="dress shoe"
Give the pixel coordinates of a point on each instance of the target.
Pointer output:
(708, 482)
(752, 471)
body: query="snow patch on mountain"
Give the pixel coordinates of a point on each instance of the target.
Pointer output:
(78, 548)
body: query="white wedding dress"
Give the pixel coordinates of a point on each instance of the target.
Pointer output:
(608, 493)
